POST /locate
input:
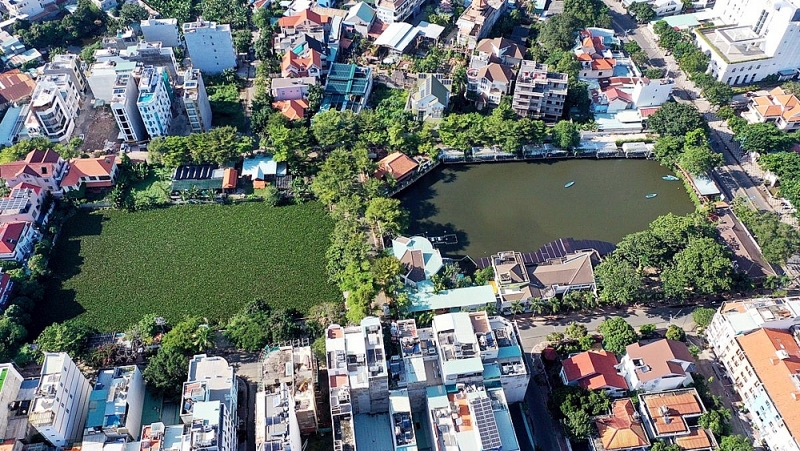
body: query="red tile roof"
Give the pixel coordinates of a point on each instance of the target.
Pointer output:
(10, 233)
(614, 93)
(398, 165)
(90, 167)
(292, 109)
(594, 370)
(660, 357)
(621, 430)
(647, 112)
(15, 86)
(305, 15)
(39, 163)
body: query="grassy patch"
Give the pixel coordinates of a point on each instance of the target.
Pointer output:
(112, 267)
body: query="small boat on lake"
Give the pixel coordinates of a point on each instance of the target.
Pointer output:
(568, 184)
(670, 178)
(650, 196)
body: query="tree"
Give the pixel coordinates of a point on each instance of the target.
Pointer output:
(335, 128)
(763, 137)
(620, 281)
(699, 159)
(703, 267)
(588, 13)
(38, 266)
(70, 337)
(386, 270)
(702, 316)
(575, 331)
(718, 93)
(643, 249)
(566, 135)
(183, 336)
(558, 32)
(647, 330)
(617, 335)
(675, 119)
(517, 308)
(387, 214)
(132, 13)
(660, 445)
(694, 350)
(735, 443)
(642, 11)
(717, 421)
(166, 372)
(676, 333)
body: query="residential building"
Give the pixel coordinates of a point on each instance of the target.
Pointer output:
(67, 64)
(152, 54)
(17, 240)
(22, 204)
(293, 65)
(210, 46)
(291, 88)
(155, 101)
(398, 37)
(404, 437)
(124, 107)
(10, 44)
(425, 298)
(419, 258)
(13, 53)
(60, 408)
(613, 100)
(43, 168)
(498, 50)
(91, 173)
(195, 101)
(457, 347)
(293, 110)
(9, 389)
(756, 40)
(122, 39)
(347, 88)
(15, 87)
(594, 53)
(661, 7)
(671, 416)
(474, 417)
(115, 406)
(276, 425)
(12, 126)
(621, 429)
(307, 22)
(165, 31)
(416, 367)
(657, 366)
(489, 84)
(651, 93)
(360, 18)
(539, 93)
(594, 370)
(105, 5)
(26, 9)
(428, 101)
(6, 285)
(54, 106)
(210, 404)
(501, 353)
(399, 166)
(263, 169)
(477, 21)
(157, 437)
(103, 76)
(393, 11)
(778, 107)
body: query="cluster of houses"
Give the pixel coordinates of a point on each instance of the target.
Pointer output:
(114, 414)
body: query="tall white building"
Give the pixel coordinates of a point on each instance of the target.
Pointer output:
(115, 406)
(209, 404)
(391, 11)
(195, 100)
(54, 106)
(210, 46)
(154, 102)
(759, 38)
(164, 31)
(125, 110)
(26, 9)
(67, 64)
(9, 390)
(60, 408)
(102, 76)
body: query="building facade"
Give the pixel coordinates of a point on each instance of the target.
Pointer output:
(125, 110)
(55, 104)
(165, 31)
(539, 93)
(67, 64)
(195, 101)
(210, 46)
(17, 240)
(26, 9)
(210, 404)
(477, 21)
(115, 405)
(155, 101)
(391, 11)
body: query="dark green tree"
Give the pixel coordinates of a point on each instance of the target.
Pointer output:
(675, 119)
(166, 372)
(617, 335)
(619, 280)
(675, 332)
(702, 316)
(566, 135)
(642, 11)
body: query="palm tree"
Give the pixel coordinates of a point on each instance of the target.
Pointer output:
(517, 308)
(203, 337)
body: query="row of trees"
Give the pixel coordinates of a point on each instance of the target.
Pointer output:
(778, 241)
(219, 145)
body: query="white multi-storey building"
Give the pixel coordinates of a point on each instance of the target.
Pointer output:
(102, 76)
(67, 64)
(115, 406)
(209, 404)
(54, 106)
(59, 410)
(9, 390)
(391, 11)
(210, 46)
(26, 9)
(759, 38)
(154, 102)
(539, 93)
(195, 100)
(125, 110)
(164, 31)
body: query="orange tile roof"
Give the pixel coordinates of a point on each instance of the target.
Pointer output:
(398, 165)
(621, 430)
(229, 178)
(292, 109)
(462, 404)
(300, 64)
(594, 370)
(15, 86)
(305, 15)
(603, 63)
(677, 406)
(778, 103)
(697, 439)
(775, 373)
(39, 163)
(89, 167)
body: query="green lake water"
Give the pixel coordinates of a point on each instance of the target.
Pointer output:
(520, 206)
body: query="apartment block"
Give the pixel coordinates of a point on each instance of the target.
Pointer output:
(195, 101)
(416, 367)
(477, 21)
(539, 93)
(210, 46)
(54, 106)
(209, 405)
(102, 76)
(115, 406)
(60, 407)
(165, 31)
(404, 436)
(125, 109)
(391, 11)
(26, 9)
(9, 391)
(758, 38)
(155, 100)
(67, 64)
(291, 372)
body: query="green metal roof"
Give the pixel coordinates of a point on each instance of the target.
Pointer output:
(182, 185)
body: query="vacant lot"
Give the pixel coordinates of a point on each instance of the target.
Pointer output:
(112, 267)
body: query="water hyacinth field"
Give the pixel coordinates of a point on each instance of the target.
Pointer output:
(112, 267)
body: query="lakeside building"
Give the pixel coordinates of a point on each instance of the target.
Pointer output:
(155, 100)
(91, 173)
(115, 407)
(210, 46)
(23, 204)
(430, 98)
(195, 101)
(59, 410)
(360, 18)
(55, 104)
(209, 404)
(594, 53)
(539, 93)
(17, 240)
(752, 40)
(42, 168)
(165, 31)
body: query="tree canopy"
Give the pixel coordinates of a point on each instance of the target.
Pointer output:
(617, 335)
(257, 325)
(763, 138)
(702, 316)
(675, 119)
(703, 267)
(70, 337)
(642, 11)
(619, 280)
(566, 135)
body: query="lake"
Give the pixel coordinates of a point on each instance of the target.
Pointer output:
(520, 206)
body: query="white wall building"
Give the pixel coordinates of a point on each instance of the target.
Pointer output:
(657, 366)
(54, 106)
(154, 102)
(164, 31)
(647, 93)
(59, 410)
(210, 46)
(67, 64)
(210, 403)
(760, 38)
(17, 240)
(105, 5)
(391, 11)
(125, 110)
(26, 9)
(102, 76)
(12, 381)
(291, 88)
(195, 100)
